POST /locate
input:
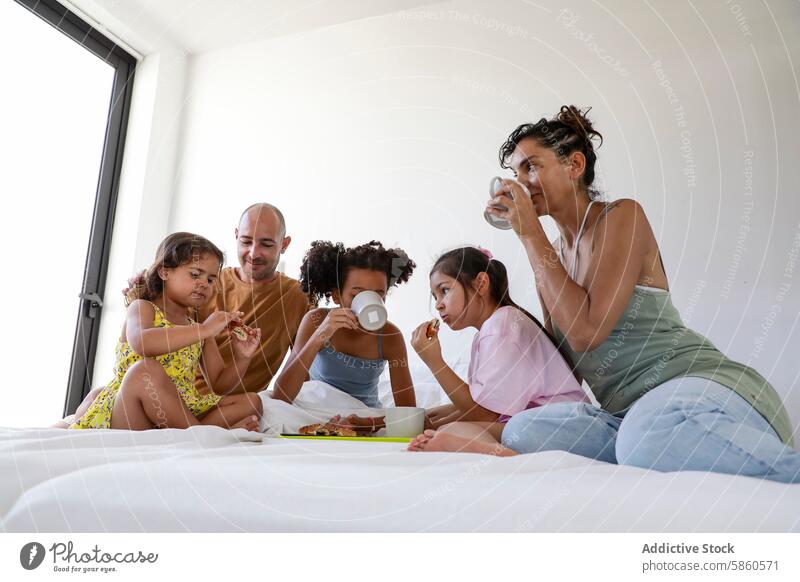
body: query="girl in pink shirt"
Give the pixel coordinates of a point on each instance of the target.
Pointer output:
(514, 363)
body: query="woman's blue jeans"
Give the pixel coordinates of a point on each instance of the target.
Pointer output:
(685, 424)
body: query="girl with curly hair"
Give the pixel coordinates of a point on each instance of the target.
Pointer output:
(331, 346)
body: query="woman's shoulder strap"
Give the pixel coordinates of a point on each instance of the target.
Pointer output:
(603, 212)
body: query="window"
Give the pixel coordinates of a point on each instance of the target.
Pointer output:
(63, 111)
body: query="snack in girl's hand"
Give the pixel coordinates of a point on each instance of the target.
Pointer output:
(240, 330)
(433, 328)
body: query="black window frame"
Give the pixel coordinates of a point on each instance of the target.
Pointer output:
(96, 268)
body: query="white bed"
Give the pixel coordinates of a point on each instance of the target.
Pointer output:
(207, 479)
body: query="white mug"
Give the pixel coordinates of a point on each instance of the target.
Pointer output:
(370, 310)
(404, 421)
(494, 185)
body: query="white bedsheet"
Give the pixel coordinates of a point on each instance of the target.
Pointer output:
(209, 479)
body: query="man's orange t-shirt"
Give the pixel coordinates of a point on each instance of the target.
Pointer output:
(276, 307)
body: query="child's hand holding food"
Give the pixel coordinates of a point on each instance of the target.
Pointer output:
(218, 321)
(245, 340)
(425, 341)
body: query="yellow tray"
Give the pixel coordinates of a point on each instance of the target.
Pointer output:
(340, 438)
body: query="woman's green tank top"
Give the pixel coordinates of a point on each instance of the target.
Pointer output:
(650, 345)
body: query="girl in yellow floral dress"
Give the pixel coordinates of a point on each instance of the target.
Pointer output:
(161, 348)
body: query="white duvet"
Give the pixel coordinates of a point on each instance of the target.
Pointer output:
(207, 479)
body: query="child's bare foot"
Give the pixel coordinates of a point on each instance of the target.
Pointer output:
(445, 441)
(418, 442)
(247, 423)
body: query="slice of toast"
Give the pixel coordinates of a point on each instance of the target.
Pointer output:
(326, 430)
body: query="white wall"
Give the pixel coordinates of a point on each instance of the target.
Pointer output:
(389, 127)
(146, 188)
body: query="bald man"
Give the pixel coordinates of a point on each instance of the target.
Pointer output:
(269, 299)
